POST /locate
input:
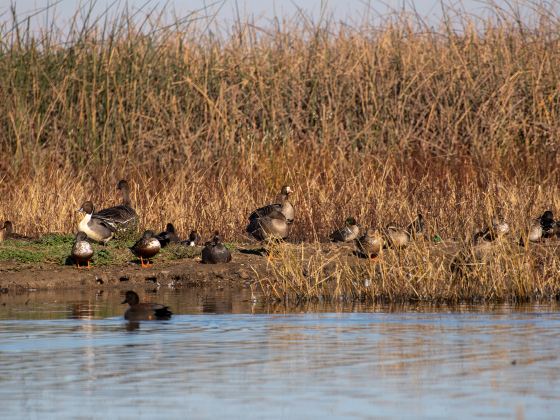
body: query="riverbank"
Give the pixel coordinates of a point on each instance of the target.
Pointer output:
(450, 272)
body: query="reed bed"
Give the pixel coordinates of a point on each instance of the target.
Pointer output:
(423, 272)
(375, 121)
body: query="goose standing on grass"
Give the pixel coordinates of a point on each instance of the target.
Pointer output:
(370, 244)
(215, 252)
(282, 205)
(7, 232)
(348, 233)
(144, 311)
(399, 238)
(81, 250)
(94, 226)
(168, 236)
(146, 247)
(272, 226)
(121, 216)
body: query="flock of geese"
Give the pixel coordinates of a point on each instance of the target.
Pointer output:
(270, 222)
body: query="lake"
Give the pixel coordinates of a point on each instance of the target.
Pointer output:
(72, 355)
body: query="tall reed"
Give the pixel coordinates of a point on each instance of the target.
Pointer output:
(378, 122)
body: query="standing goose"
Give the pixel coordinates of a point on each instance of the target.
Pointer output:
(144, 311)
(215, 252)
(146, 247)
(370, 244)
(81, 250)
(168, 236)
(348, 233)
(273, 225)
(282, 205)
(94, 226)
(123, 215)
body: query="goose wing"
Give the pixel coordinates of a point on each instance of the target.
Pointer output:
(118, 214)
(265, 211)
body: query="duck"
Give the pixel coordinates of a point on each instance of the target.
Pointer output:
(541, 227)
(168, 236)
(273, 226)
(215, 252)
(94, 226)
(7, 232)
(122, 216)
(144, 311)
(498, 229)
(194, 239)
(370, 244)
(282, 205)
(146, 247)
(82, 250)
(348, 233)
(399, 238)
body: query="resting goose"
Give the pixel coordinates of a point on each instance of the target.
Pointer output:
(282, 205)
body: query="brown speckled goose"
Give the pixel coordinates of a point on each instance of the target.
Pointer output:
(282, 205)
(273, 225)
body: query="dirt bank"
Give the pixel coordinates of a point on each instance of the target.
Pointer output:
(180, 273)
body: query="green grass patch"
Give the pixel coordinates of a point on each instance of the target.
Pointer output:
(56, 249)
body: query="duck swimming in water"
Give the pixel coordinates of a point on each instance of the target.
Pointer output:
(144, 311)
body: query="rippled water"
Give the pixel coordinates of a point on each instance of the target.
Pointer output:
(72, 355)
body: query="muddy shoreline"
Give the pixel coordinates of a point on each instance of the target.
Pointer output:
(176, 274)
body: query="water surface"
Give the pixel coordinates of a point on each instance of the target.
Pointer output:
(71, 355)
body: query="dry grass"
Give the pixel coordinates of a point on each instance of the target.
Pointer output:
(446, 273)
(375, 122)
